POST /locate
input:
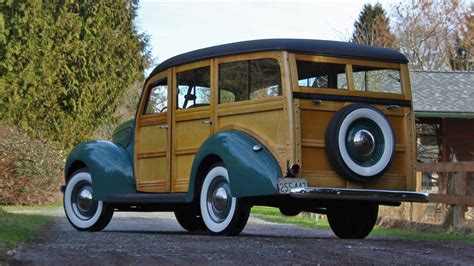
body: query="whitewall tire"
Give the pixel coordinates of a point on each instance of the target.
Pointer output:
(360, 142)
(222, 214)
(83, 212)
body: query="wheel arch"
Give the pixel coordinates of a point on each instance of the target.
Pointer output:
(109, 165)
(251, 172)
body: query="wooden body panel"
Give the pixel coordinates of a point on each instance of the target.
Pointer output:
(314, 120)
(189, 132)
(292, 129)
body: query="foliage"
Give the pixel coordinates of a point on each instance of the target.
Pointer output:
(373, 27)
(16, 228)
(66, 65)
(125, 111)
(30, 170)
(431, 33)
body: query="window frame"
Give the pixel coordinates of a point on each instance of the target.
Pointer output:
(186, 67)
(146, 92)
(404, 81)
(152, 86)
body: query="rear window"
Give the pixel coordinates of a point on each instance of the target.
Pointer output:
(321, 75)
(377, 79)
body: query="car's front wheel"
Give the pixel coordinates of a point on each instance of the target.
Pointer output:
(222, 214)
(83, 212)
(190, 219)
(352, 220)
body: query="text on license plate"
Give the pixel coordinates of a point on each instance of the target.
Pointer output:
(285, 184)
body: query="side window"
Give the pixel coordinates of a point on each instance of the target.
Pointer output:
(377, 79)
(157, 101)
(194, 89)
(249, 80)
(321, 75)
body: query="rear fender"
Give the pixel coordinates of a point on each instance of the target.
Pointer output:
(252, 172)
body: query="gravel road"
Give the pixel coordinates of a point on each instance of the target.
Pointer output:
(146, 238)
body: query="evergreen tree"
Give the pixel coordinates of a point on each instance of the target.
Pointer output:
(65, 64)
(372, 27)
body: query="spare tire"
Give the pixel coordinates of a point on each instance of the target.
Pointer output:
(360, 143)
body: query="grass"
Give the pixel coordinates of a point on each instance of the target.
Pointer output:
(17, 228)
(274, 215)
(48, 206)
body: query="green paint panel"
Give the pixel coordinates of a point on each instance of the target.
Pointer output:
(110, 166)
(251, 173)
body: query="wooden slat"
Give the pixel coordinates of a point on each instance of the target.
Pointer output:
(445, 167)
(452, 199)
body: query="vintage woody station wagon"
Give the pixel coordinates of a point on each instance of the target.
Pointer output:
(302, 125)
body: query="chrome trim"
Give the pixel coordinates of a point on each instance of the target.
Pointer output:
(359, 194)
(257, 147)
(164, 126)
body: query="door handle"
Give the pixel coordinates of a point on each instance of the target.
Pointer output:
(392, 106)
(164, 126)
(209, 122)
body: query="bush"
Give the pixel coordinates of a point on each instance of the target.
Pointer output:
(65, 65)
(31, 170)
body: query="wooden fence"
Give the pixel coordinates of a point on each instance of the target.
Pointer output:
(456, 196)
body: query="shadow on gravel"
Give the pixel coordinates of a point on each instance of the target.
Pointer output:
(241, 236)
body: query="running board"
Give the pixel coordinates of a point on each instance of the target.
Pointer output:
(148, 198)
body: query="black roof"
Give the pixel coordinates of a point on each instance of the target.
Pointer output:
(302, 46)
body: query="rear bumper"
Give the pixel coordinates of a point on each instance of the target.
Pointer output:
(359, 194)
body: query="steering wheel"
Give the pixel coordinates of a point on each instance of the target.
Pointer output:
(163, 109)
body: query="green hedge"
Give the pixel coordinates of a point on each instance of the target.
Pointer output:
(65, 65)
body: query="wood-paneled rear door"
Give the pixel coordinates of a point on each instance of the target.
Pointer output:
(192, 123)
(152, 139)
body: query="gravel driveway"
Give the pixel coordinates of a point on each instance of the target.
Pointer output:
(146, 238)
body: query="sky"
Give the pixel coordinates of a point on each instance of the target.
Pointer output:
(176, 27)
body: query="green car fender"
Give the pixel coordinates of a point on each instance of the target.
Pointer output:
(253, 170)
(109, 164)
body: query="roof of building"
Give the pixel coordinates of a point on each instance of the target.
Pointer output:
(303, 46)
(443, 94)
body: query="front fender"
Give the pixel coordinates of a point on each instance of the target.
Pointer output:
(251, 173)
(109, 165)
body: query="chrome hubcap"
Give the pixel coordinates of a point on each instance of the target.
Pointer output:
(364, 142)
(83, 205)
(219, 199)
(84, 200)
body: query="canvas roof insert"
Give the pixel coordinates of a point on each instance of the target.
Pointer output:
(302, 46)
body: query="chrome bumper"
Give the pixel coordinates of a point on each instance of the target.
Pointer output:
(359, 194)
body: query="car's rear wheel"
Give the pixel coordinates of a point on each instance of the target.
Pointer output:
(190, 219)
(352, 220)
(83, 212)
(222, 214)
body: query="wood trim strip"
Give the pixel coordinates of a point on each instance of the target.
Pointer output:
(186, 151)
(347, 98)
(194, 115)
(263, 107)
(155, 154)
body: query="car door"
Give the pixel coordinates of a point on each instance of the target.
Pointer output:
(152, 137)
(191, 117)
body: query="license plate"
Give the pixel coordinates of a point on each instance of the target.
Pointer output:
(285, 184)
